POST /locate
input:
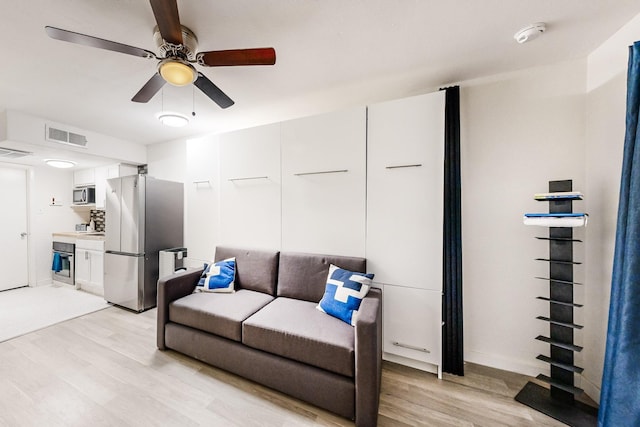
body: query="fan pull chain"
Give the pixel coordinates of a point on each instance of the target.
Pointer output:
(193, 104)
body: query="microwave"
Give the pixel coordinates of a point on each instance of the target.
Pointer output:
(84, 195)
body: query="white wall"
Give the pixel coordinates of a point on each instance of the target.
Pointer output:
(518, 131)
(23, 128)
(168, 160)
(606, 101)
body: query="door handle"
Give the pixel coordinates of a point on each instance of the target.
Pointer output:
(23, 235)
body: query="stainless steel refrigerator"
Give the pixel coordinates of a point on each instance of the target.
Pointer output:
(144, 215)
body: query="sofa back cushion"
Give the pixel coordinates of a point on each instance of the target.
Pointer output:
(256, 270)
(304, 276)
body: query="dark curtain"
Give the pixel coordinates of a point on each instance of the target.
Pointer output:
(452, 338)
(620, 397)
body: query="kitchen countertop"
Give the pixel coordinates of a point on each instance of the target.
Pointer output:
(85, 235)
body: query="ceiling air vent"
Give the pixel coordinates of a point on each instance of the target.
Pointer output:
(10, 153)
(65, 137)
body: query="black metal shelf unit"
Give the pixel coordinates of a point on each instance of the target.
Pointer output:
(559, 400)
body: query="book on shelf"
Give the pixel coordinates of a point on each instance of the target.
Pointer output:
(569, 219)
(559, 195)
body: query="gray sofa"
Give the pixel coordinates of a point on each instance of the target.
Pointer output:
(269, 330)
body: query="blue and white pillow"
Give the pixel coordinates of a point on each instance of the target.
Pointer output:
(344, 292)
(218, 277)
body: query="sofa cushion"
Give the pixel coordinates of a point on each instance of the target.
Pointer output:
(343, 294)
(256, 270)
(304, 276)
(296, 330)
(220, 314)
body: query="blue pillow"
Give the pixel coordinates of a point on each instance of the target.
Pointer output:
(343, 294)
(218, 277)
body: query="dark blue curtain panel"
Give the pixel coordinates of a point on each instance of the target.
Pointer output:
(620, 395)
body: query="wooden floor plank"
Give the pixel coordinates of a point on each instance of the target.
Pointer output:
(104, 369)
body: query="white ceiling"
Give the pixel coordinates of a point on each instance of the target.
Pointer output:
(330, 54)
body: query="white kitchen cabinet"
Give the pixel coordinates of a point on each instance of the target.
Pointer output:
(324, 183)
(84, 177)
(202, 190)
(121, 169)
(100, 174)
(405, 181)
(412, 327)
(250, 187)
(89, 266)
(98, 177)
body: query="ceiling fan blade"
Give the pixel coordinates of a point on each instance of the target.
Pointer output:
(213, 91)
(166, 13)
(70, 36)
(221, 58)
(149, 89)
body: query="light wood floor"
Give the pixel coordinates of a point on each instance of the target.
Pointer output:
(104, 369)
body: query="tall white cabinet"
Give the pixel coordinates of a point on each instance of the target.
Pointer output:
(250, 187)
(324, 183)
(202, 192)
(405, 167)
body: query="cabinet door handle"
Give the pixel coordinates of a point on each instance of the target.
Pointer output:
(86, 255)
(410, 347)
(417, 165)
(247, 178)
(321, 172)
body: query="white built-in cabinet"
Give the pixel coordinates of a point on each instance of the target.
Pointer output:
(202, 190)
(250, 187)
(324, 183)
(98, 177)
(361, 182)
(405, 167)
(83, 177)
(89, 265)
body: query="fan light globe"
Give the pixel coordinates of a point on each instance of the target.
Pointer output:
(177, 73)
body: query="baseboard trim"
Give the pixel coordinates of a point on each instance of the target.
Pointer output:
(590, 389)
(528, 367)
(423, 366)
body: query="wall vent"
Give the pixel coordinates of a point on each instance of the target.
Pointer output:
(65, 137)
(10, 153)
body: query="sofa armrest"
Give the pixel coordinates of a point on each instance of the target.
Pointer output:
(368, 345)
(171, 288)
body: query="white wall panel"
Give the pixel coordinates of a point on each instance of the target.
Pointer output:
(250, 187)
(405, 191)
(324, 183)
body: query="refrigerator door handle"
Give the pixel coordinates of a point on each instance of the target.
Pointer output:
(124, 253)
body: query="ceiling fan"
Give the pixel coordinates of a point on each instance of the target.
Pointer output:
(177, 47)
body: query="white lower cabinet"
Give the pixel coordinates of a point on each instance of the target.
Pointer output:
(412, 330)
(89, 266)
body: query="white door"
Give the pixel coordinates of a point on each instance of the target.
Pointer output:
(13, 228)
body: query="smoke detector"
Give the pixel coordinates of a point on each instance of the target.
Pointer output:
(530, 32)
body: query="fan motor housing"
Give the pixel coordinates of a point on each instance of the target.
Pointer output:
(187, 50)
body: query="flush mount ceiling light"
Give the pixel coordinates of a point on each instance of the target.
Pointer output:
(62, 164)
(173, 120)
(530, 32)
(177, 72)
